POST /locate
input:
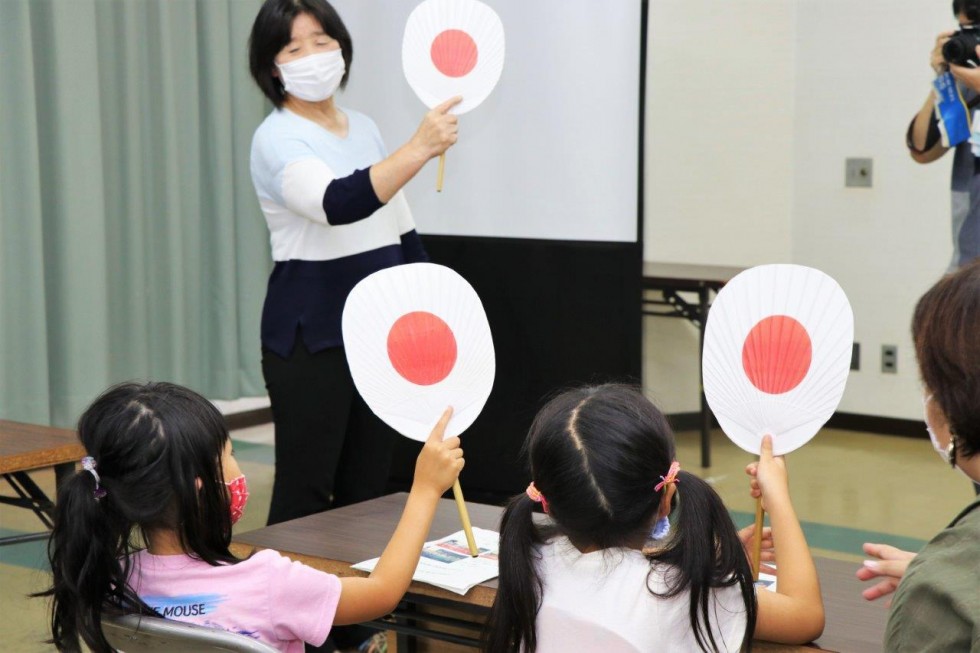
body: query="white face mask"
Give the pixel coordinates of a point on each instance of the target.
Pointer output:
(944, 452)
(315, 77)
(941, 450)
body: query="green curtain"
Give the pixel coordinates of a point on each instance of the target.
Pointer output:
(131, 241)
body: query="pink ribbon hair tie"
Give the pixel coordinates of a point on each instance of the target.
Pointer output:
(670, 478)
(534, 495)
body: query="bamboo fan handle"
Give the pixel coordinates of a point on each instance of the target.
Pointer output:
(757, 539)
(464, 517)
(442, 172)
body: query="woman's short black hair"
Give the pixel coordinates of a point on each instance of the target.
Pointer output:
(273, 29)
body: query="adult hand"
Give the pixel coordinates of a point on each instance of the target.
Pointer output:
(968, 76)
(439, 129)
(440, 461)
(434, 136)
(890, 566)
(770, 480)
(936, 60)
(768, 548)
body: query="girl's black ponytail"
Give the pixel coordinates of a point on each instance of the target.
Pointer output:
(596, 453)
(89, 565)
(510, 626)
(156, 449)
(705, 552)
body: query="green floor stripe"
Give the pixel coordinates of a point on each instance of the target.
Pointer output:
(30, 555)
(840, 538)
(33, 555)
(254, 452)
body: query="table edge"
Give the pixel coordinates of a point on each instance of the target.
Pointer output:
(23, 462)
(477, 596)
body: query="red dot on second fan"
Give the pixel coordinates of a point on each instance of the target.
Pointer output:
(776, 354)
(454, 53)
(422, 348)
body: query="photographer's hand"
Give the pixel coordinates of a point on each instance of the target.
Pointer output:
(968, 76)
(936, 59)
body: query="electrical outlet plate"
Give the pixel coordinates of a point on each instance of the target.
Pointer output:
(889, 359)
(857, 173)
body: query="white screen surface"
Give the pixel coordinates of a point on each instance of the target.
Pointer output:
(552, 153)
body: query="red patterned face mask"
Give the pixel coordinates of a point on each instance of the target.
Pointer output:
(238, 490)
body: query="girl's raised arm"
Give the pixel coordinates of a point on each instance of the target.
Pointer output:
(437, 467)
(793, 614)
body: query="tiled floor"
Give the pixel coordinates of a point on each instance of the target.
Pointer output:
(848, 488)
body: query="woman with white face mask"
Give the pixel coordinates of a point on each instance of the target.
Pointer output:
(332, 197)
(936, 606)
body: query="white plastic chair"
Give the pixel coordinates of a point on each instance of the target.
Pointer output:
(135, 633)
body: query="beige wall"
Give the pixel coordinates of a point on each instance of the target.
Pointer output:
(753, 106)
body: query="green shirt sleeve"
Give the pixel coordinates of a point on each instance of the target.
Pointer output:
(937, 605)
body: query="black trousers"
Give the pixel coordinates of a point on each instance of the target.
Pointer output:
(331, 450)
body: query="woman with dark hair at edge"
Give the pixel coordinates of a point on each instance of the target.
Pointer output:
(936, 603)
(333, 201)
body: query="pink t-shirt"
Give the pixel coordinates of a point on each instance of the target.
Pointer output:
(268, 597)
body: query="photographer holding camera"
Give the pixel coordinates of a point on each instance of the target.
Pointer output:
(956, 61)
(956, 53)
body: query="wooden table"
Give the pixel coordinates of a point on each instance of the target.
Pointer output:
(671, 279)
(29, 447)
(332, 541)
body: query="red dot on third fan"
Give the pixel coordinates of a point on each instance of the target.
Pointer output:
(777, 354)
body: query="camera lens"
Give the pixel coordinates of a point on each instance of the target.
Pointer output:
(961, 48)
(954, 51)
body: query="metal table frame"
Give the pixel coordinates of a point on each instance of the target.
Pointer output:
(671, 280)
(26, 448)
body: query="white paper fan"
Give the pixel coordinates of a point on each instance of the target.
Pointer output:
(417, 341)
(453, 47)
(777, 350)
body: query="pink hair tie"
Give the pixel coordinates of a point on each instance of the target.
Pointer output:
(534, 495)
(670, 478)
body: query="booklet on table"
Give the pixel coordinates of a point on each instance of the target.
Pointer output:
(447, 562)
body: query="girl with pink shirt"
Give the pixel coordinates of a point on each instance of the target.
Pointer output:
(145, 528)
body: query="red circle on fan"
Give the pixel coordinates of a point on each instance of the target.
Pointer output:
(454, 53)
(776, 354)
(422, 348)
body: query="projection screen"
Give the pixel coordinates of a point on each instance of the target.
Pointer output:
(553, 151)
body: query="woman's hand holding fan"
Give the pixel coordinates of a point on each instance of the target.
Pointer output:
(453, 48)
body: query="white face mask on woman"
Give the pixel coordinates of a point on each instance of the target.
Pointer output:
(947, 453)
(943, 452)
(313, 78)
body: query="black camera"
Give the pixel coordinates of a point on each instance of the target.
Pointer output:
(961, 48)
